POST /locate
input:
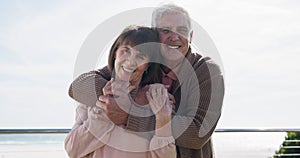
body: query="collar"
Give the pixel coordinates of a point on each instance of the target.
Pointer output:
(168, 73)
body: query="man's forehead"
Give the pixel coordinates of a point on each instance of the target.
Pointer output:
(172, 20)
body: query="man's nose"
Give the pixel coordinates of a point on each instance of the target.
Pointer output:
(174, 36)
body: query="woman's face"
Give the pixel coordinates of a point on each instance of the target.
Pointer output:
(130, 64)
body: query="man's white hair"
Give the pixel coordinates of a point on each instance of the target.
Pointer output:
(169, 8)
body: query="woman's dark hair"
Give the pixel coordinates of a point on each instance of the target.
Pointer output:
(145, 40)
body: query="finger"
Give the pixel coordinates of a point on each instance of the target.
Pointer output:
(119, 93)
(148, 96)
(159, 91)
(153, 92)
(150, 100)
(108, 93)
(103, 98)
(167, 86)
(107, 88)
(120, 86)
(165, 93)
(98, 103)
(130, 88)
(101, 105)
(171, 97)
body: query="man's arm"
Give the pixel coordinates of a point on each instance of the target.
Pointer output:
(199, 126)
(87, 88)
(199, 110)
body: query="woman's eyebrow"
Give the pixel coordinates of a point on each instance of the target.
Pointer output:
(125, 47)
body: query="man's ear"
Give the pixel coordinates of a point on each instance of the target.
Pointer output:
(191, 36)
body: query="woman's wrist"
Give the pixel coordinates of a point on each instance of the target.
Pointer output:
(163, 130)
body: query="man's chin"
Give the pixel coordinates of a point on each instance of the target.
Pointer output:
(173, 56)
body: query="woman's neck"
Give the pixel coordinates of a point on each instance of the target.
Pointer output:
(134, 83)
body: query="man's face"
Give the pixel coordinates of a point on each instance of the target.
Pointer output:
(175, 35)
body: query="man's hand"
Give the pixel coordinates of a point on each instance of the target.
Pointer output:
(112, 110)
(115, 102)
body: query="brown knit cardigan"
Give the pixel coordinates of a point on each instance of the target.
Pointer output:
(199, 96)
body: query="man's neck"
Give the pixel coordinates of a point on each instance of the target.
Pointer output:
(172, 65)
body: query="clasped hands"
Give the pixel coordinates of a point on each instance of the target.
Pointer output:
(116, 103)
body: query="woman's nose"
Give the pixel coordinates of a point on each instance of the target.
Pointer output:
(131, 60)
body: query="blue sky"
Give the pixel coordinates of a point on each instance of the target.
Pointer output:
(257, 41)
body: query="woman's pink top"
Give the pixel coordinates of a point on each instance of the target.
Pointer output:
(95, 136)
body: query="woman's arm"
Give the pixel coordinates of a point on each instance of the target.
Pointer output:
(90, 132)
(162, 145)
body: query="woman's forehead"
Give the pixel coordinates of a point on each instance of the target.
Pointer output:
(137, 49)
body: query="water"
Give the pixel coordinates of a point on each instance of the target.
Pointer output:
(226, 145)
(248, 144)
(27, 139)
(32, 145)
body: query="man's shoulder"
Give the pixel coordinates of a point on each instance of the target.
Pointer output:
(197, 60)
(203, 64)
(99, 73)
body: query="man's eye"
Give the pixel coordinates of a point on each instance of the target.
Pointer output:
(183, 30)
(165, 31)
(142, 57)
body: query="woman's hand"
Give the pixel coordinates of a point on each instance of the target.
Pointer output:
(160, 105)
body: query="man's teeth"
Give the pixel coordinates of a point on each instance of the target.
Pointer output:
(173, 47)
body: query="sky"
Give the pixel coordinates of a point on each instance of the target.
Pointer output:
(258, 43)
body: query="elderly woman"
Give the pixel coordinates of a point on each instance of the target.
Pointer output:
(132, 67)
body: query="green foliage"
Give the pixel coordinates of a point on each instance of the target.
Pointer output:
(291, 145)
(293, 136)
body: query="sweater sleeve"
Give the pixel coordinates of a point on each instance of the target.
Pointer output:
(200, 98)
(87, 88)
(200, 110)
(90, 132)
(162, 147)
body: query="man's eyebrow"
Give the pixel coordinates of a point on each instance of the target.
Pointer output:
(143, 53)
(164, 27)
(183, 27)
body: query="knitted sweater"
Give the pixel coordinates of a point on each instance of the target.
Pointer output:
(94, 135)
(199, 96)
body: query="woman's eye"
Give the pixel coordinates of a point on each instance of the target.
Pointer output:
(127, 51)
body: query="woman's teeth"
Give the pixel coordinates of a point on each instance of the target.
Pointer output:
(128, 70)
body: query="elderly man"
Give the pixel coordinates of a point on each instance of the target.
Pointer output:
(195, 82)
